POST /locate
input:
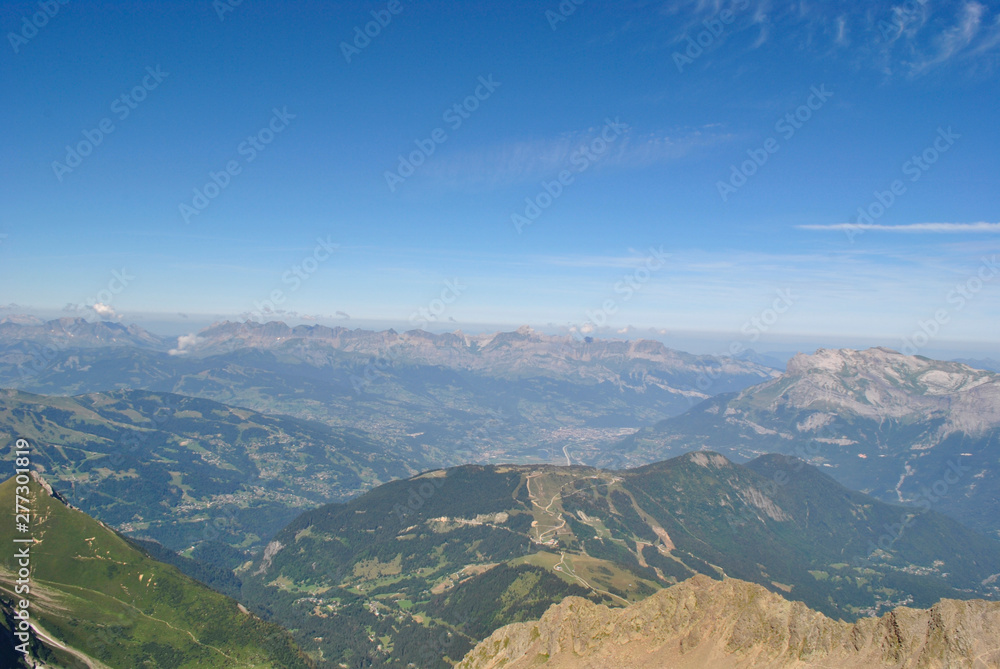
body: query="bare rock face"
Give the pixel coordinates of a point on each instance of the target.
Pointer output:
(732, 624)
(880, 383)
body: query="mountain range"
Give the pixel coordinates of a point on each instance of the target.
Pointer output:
(904, 429)
(509, 396)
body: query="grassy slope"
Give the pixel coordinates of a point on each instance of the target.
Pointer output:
(93, 591)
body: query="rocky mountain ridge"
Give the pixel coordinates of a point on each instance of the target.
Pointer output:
(523, 351)
(75, 332)
(880, 384)
(732, 624)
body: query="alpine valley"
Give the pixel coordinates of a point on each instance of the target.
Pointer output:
(453, 398)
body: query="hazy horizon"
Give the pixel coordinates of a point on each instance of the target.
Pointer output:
(780, 347)
(685, 166)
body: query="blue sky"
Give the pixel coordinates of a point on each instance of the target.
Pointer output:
(736, 139)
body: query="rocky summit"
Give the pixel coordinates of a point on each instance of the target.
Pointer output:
(733, 624)
(882, 384)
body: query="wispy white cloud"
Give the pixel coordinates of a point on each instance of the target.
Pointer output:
(990, 39)
(517, 161)
(637, 258)
(901, 22)
(762, 19)
(955, 39)
(951, 228)
(843, 34)
(898, 37)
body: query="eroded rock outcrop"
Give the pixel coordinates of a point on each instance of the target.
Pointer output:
(734, 624)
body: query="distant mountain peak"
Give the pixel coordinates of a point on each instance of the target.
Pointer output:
(882, 383)
(834, 359)
(75, 332)
(22, 319)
